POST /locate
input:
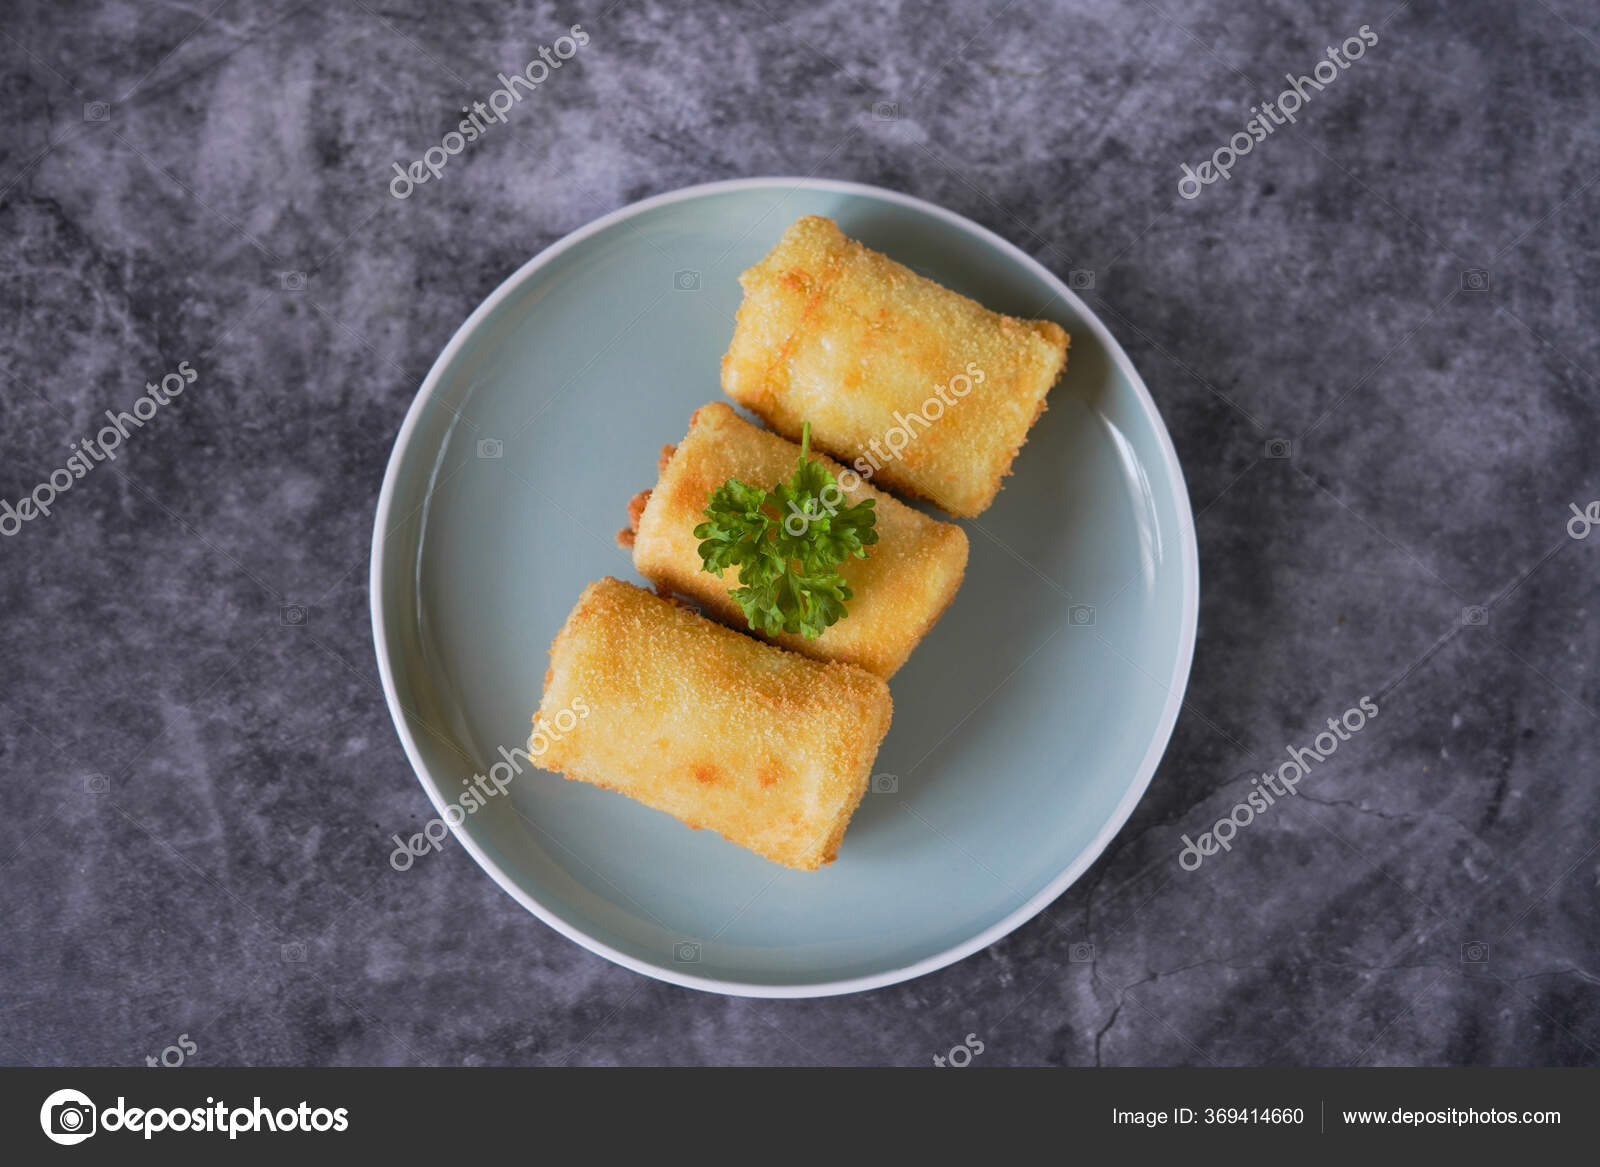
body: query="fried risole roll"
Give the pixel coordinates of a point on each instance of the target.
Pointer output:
(771, 750)
(890, 369)
(900, 590)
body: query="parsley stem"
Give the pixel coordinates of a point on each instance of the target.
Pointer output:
(805, 441)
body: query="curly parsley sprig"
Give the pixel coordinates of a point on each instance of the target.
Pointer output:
(786, 543)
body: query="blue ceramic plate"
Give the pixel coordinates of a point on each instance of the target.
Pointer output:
(1026, 726)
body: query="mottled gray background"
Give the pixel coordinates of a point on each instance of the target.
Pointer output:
(1439, 433)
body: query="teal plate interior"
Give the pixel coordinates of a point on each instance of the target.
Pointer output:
(1026, 726)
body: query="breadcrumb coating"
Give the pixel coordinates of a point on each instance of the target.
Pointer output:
(900, 590)
(769, 749)
(836, 334)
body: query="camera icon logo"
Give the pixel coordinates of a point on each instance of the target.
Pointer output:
(1080, 281)
(491, 448)
(1475, 279)
(1474, 616)
(686, 952)
(1279, 447)
(885, 784)
(96, 784)
(1474, 952)
(1081, 615)
(292, 616)
(96, 111)
(68, 1117)
(292, 281)
(294, 952)
(886, 111)
(1081, 953)
(686, 280)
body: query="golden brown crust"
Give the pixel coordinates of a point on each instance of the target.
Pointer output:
(770, 749)
(834, 333)
(629, 534)
(900, 589)
(636, 506)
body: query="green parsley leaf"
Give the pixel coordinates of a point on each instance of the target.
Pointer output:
(786, 543)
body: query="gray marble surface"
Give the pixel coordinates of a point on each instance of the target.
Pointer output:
(194, 794)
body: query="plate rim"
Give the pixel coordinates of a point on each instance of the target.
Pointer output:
(1176, 690)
